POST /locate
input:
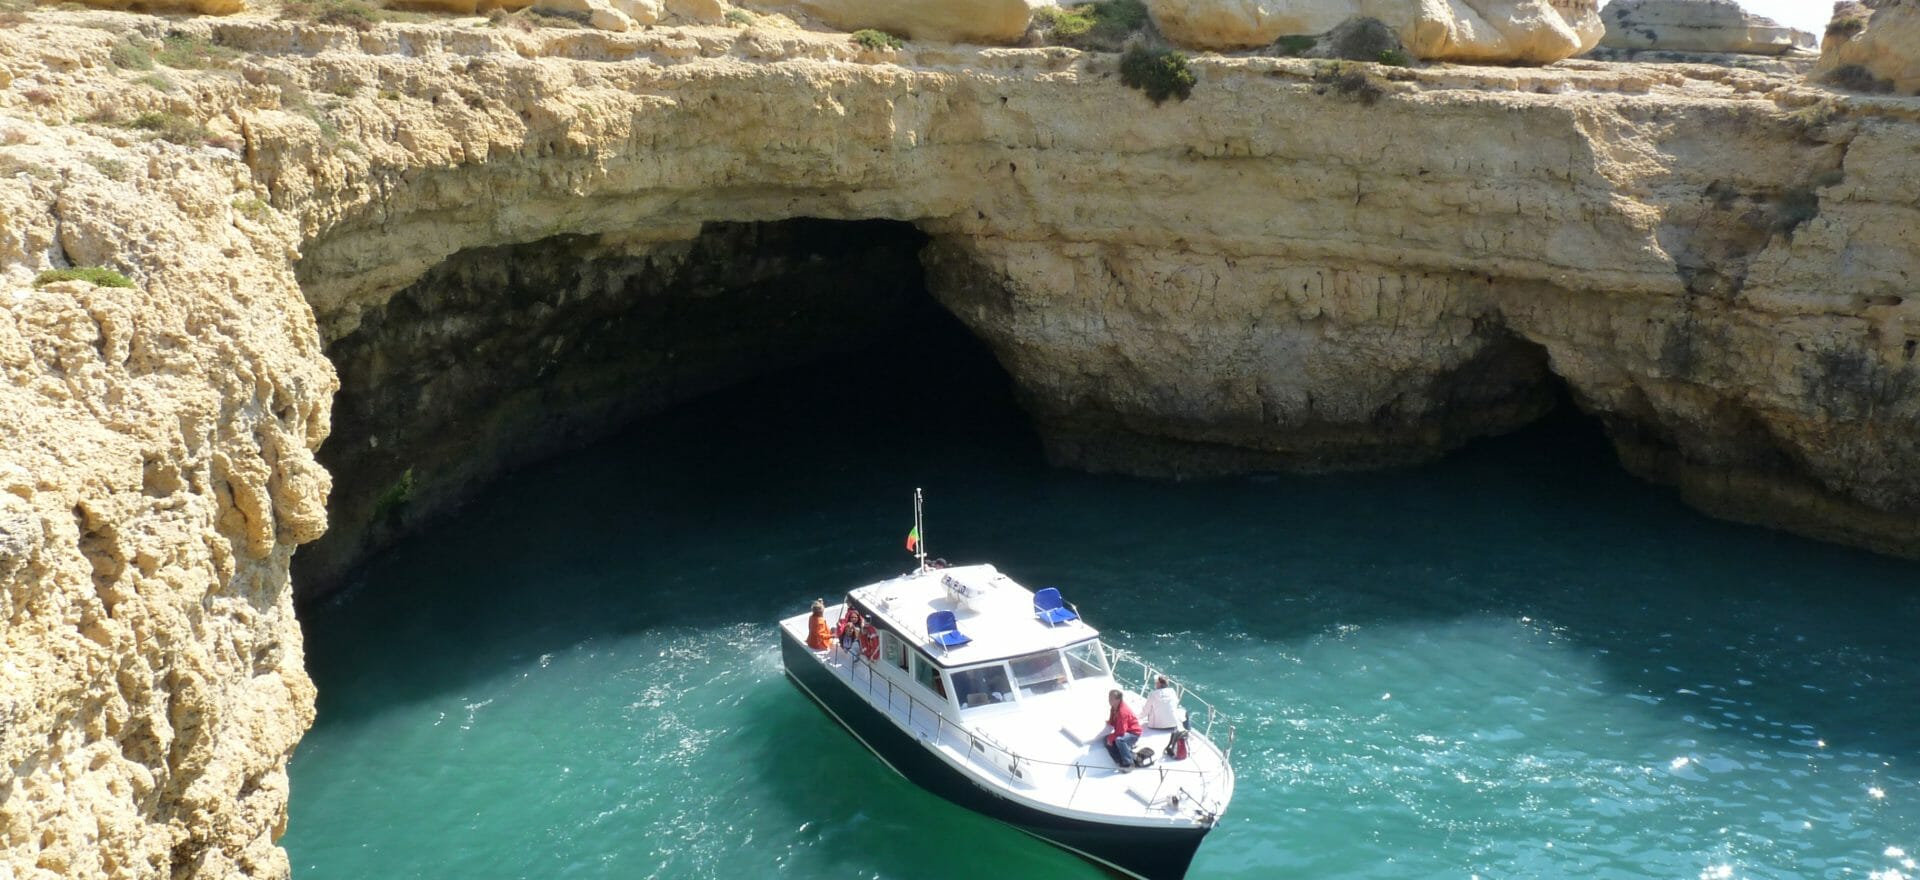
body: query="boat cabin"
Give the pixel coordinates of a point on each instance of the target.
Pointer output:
(995, 649)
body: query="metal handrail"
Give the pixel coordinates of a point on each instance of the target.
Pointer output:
(1147, 674)
(978, 742)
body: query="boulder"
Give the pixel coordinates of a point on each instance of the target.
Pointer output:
(1507, 31)
(697, 11)
(993, 22)
(606, 15)
(1697, 26)
(1875, 45)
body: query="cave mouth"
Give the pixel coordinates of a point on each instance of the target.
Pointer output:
(503, 356)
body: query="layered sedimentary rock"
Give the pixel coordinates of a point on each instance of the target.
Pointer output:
(1524, 31)
(1697, 26)
(1288, 270)
(1874, 46)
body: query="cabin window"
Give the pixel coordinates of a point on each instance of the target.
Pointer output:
(928, 675)
(981, 686)
(894, 652)
(1039, 673)
(1086, 660)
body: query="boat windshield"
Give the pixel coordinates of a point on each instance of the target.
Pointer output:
(981, 686)
(1039, 673)
(1087, 660)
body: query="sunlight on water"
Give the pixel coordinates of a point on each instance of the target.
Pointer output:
(1517, 663)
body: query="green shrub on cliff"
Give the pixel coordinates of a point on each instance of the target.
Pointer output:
(1350, 81)
(1160, 73)
(171, 127)
(1294, 45)
(1849, 19)
(396, 497)
(876, 40)
(93, 275)
(1103, 26)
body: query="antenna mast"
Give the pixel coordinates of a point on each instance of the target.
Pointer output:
(920, 545)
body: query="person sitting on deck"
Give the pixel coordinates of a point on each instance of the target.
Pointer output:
(849, 629)
(819, 637)
(1163, 705)
(1123, 730)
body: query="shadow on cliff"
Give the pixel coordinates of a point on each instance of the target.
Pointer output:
(742, 507)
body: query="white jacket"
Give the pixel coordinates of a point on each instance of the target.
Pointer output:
(1163, 709)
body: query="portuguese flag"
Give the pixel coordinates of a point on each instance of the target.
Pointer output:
(913, 539)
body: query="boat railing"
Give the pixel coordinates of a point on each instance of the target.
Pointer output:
(1174, 782)
(1120, 658)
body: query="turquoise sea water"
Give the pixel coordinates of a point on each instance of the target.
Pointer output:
(1518, 662)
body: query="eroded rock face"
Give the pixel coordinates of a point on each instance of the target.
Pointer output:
(1276, 273)
(1878, 52)
(1697, 26)
(990, 22)
(156, 472)
(1524, 31)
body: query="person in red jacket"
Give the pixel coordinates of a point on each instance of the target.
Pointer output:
(1123, 730)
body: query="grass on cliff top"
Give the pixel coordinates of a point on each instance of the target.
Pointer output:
(1103, 26)
(877, 40)
(359, 15)
(131, 53)
(94, 275)
(190, 52)
(1846, 24)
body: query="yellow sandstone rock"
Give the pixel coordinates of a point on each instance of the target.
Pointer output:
(1887, 48)
(1526, 31)
(991, 22)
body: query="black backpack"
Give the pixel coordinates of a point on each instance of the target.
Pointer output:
(1143, 757)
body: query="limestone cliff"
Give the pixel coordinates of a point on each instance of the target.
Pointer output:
(156, 472)
(1301, 266)
(1874, 46)
(1707, 26)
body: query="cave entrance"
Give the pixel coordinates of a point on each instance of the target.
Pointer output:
(506, 355)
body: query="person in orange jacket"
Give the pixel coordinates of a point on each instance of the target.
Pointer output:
(819, 636)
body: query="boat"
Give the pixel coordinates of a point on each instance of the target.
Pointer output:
(995, 698)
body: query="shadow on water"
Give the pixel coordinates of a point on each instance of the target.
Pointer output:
(740, 507)
(743, 506)
(841, 791)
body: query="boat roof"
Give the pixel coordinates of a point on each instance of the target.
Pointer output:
(994, 610)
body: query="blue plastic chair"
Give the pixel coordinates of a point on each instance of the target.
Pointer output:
(942, 629)
(1048, 606)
